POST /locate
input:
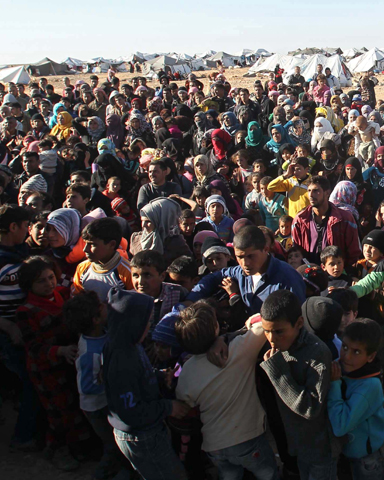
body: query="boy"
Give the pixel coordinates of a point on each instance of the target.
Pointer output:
(87, 316)
(295, 256)
(295, 181)
(217, 216)
(254, 197)
(332, 262)
(37, 240)
(215, 254)
(355, 399)
(233, 422)
(272, 205)
(298, 366)
(373, 251)
(78, 196)
(187, 224)
(105, 267)
(148, 274)
(259, 166)
(97, 198)
(349, 303)
(284, 236)
(183, 272)
(137, 412)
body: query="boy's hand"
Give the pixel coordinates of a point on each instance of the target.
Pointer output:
(230, 285)
(179, 409)
(335, 371)
(69, 353)
(218, 353)
(269, 353)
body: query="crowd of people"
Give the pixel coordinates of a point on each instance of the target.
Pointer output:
(191, 276)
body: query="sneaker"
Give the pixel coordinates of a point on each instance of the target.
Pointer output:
(64, 461)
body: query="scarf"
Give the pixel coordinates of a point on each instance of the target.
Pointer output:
(254, 138)
(164, 213)
(63, 132)
(220, 143)
(243, 109)
(371, 369)
(161, 135)
(274, 146)
(329, 114)
(299, 138)
(358, 179)
(214, 114)
(344, 196)
(53, 120)
(67, 222)
(106, 267)
(105, 145)
(234, 125)
(366, 110)
(115, 130)
(377, 117)
(99, 131)
(143, 125)
(215, 199)
(322, 125)
(52, 306)
(379, 164)
(209, 173)
(225, 193)
(279, 116)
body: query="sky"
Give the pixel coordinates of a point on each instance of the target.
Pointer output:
(85, 29)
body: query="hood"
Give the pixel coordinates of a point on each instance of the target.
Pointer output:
(128, 316)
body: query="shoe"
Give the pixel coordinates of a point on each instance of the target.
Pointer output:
(64, 461)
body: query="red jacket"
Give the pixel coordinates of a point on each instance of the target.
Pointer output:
(341, 231)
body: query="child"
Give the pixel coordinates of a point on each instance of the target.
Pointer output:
(254, 197)
(187, 224)
(349, 303)
(137, 412)
(37, 240)
(233, 422)
(215, 254)
(105, 267)
(259, 166)
(272, 205)
(87, 316)
(196, 202)
(373, 251)
(123, 210)
(304, 150)
(48, 157)
(148, 274)
(355, 399)
(113, 188)
(284, 236)
(295, 181)
(366, 138)
(332, 262)
(315, 279)
(78, 196)
(287, 154)
(183, 272)
(295, 256)
(241, 159)
(298, 366)
(217, 216)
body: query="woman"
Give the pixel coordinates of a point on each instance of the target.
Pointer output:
(58, 108)
(173, 176)
(344, 196)
(322, 126)
(204, 172)
(51, 351)
(115, 130)
(255, 139)
(158, 123)
(62, 131)
(375, 177)
(327, 112)
(212, 117)
(202, 125)
(279, 117)
(352, 172)
(138, 127)
(221, 142)
(218, 187)
(279, 136)
(230, 123)
(244, 116)
(159, 220)
(105, 145)
(161, 135)
(298, 133)
(307, 119)
(96, 130)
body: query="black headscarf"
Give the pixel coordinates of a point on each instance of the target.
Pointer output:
(358, 179)
(183, 110)
(161, 135)
(310, 106)
(307, 115)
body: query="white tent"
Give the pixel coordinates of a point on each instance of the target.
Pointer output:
(351, 53)
(74, 62)
(226, 59)
(373, 59)
(268, 64)
(15, 75)
(168, 64)
(206, 54)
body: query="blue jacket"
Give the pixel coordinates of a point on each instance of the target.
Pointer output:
(360, 415)
(279, 275)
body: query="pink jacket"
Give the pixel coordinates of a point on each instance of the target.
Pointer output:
(322, 95)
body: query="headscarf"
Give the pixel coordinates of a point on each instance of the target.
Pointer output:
(220, 146)
(210, 171)
(33, 146)
(161, 135)
(326, 126)
(225, 193)
(115, 130)
(274, 146)
(67, 222)
(279, 116)
(345, 100)
(304, 137)
(53, 119)
(36, 183)
(366, 110)
(155, 105)
(379, 164)
(353, 112)
(143, 127)
(214, 114)
(234, 123)
(215, 199)
(156, 118)
(105, 145)
(240, 114)
(377, 116)
(254, 138)
(173, 176)
(344, 196)
(307, 115)
(62, 132)
(329, 114)
(99, 132)
(336, 99)
(358, 179)
(164, 213)
(98, 89)
(201, 236)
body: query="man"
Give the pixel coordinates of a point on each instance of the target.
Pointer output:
(36, 99)
(31, 166)
(322, 224)
(158, 187)
(43, 84)
(21, 117)
(265, 105)
(94, 81)
(51, 95)
(219, 95)
(13, 90)
(143, 82)
(21, 89)
(257, 275)
(332, 81)
(297, 80)
(319, 71)
(254, 107)
(11, 134)
(168, 100)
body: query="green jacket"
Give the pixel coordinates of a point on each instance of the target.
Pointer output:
(370, 282)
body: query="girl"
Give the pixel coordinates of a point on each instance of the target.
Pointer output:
(217, 216)
(352, 172)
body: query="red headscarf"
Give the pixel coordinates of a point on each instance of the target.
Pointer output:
(220, 142)
(379, 164)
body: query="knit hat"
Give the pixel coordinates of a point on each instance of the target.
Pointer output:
(213, 245)
(165, 330)
(117, 203)
(215, 199)
(38, 116)
(376, 239)
(36, 183)
(314, 276)
(239, 224)
(322, 317)
(201, 236)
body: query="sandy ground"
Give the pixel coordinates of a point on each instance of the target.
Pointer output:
(234, 77)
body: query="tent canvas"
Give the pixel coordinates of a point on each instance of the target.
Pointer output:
(374, 58)
(15, 75)
(226, 59)
(47, 66)
(268, 64)
(74, 62)
(165, 63)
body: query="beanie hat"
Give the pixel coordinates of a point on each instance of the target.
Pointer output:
(376, 239)
(117, 203)
(9, 98)
(322, 317)
(240, 223)
(201, 236)
(215, 199)
(38, 116)
(165, 330)
(36, 183)
(213, 245)
(314, 276)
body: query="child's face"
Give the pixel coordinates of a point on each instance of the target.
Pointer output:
(114, 186)
(45, 284)
(217, 261)
(240, 137)
(346, 319)
(37, 232)
(256, 184)
(99, 252)
(372, 254)
(163, 351)
(242, 163)
(286, 155)
(216, 211)
(301, 152)
(76, 201)
(248, 187)
(353, 355)
(295, 259)
(285, 228)
(259, 168)
(300, 172)
(200, 200)
(334, 266)
(266, 193)
(147, 280)
(197, 250)
(281, 334)
(182, 280)
(187, 226)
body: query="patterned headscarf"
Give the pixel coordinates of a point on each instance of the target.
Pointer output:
(344, 196)
(105, 145)
(143, 127)
(97, 133)
(67, 222)
(303, 137)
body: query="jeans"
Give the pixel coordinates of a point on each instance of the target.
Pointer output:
(255, 455)
(13, 357)
(370, 467)
(310, 471)
(151, 454)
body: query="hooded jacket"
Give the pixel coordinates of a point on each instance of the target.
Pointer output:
(130, 382)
